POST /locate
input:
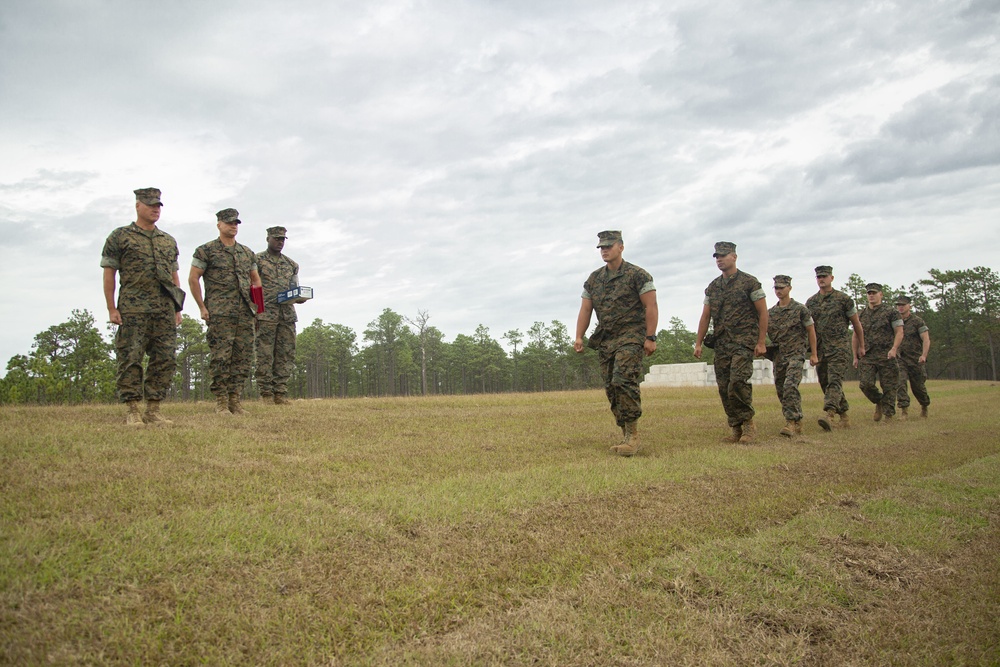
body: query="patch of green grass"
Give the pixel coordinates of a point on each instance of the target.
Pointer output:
(498, 530)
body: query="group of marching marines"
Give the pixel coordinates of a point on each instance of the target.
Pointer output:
(888, 346)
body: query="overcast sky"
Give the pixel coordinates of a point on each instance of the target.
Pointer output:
(460, 157)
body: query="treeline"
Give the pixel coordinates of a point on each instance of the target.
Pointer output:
(395, 355)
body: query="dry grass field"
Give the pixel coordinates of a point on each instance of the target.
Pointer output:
(488, 530)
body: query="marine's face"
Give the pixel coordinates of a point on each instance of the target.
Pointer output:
(725, 262)
(148, 213)
(824, 282)
(782, 292)
(612, 252)
(275, 244)
(228, 229)
(904, 309)
(874, 298)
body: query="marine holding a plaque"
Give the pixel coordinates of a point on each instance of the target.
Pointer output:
(148, 309)
(276, 325)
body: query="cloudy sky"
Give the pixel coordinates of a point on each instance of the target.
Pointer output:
(459, 157)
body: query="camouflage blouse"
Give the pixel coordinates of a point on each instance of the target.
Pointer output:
(621, 316)
(227, 277)
(144, 260)
(879, 324)
(786, 326)
(913, 345)
(276, 273)
(734, 315)
(832, 314)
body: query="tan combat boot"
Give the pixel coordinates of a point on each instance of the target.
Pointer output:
(153, 414)
(235, 406)
(845, 421)
(749, 432)
(903, 414)
(826, 421)
(798, 427)
(133, 417)
(737, 433)
(789, 429)
(923, 411)
(631, 444)
(222, 405)
(267, 399)
(878, 413)
(281, 399)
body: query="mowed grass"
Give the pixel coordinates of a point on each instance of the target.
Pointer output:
(499, 530)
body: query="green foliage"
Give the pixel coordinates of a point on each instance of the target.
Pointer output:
(676, 346)
(193, 378)
(69, 363)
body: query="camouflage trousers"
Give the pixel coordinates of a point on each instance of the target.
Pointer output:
(230, 339)
(876, 366)
(733, 370)
(621, 370)
(831, 371)
(787, 376)
(916, 374)
(153, 334)
(275, 356)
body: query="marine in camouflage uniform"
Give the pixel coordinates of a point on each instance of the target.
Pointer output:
(276, 325)
(735, 305)
(229, 270)
(148, 309)
(790, 328)
(912, 358)
(624, 298)
(832, 311)
(883, 333)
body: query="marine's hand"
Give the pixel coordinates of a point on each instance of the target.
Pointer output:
(813, 360)
(177, 318)
(650, 347)
(697, 350)
(760, 350)
(114, 316)
(578, 345)
(204, 313)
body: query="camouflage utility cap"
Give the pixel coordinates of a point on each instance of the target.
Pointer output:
(902, 300)
(276, 232)
(609, 238)
(873, 287)
(228, 215)
(723, 248)
(148, 196)
(824, 271)
(782, 281)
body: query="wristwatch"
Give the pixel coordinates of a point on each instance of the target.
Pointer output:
(652, 338)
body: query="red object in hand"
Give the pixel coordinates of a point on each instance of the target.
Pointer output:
(257, 294)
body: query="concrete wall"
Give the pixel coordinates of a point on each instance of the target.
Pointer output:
(703, 375)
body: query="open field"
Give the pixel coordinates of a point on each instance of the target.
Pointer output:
(499, 530)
